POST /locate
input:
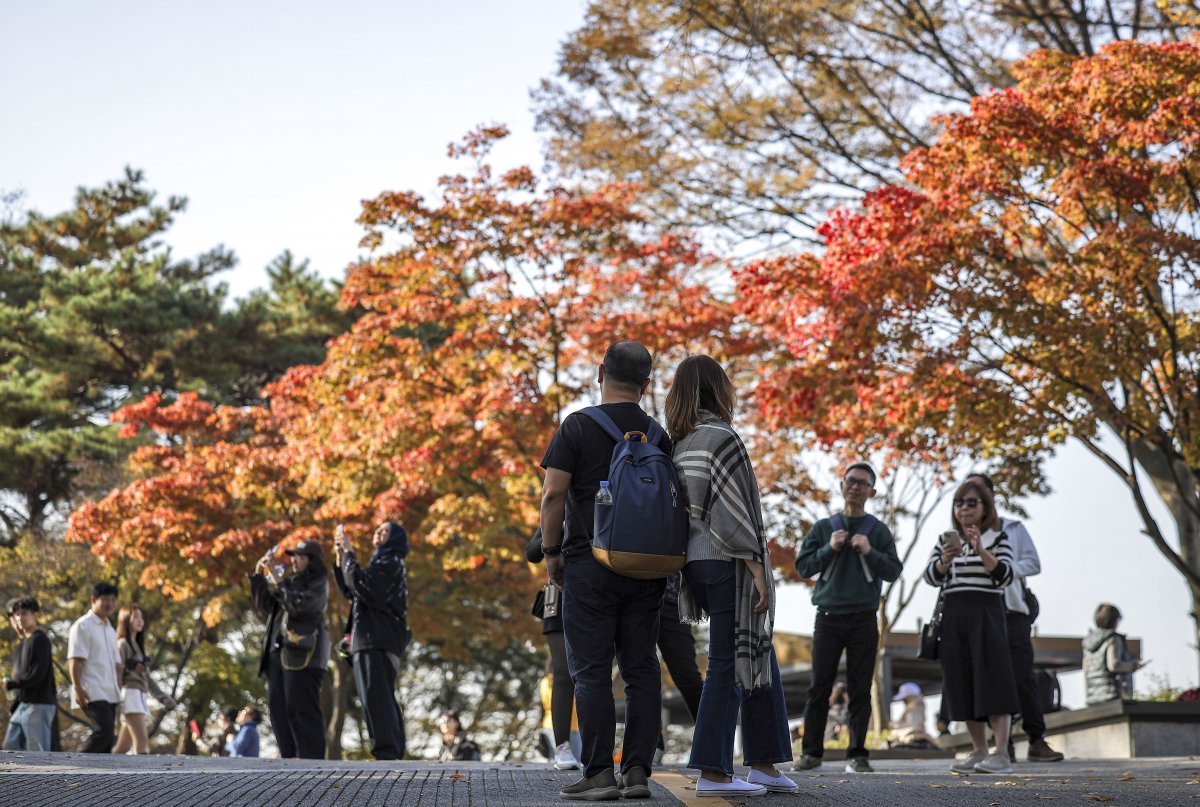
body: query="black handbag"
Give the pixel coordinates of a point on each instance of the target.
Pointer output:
(298, 648)
(931, 634)
(1031, 602)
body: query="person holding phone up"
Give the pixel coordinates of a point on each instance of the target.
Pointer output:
(972, 564)
(379, 633)
(296, 646)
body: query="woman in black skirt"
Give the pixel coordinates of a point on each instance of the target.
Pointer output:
(972, 565)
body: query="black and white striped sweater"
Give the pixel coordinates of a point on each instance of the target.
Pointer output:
(966, 572)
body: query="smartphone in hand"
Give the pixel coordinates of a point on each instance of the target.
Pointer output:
(952, 538)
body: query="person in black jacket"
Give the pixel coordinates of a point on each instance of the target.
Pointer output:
(32, 683)
(296, 649)
(379, 632)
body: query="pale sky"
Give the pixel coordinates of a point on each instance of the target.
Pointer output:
(276, 119)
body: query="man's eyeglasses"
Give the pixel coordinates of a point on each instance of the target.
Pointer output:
(968, 503)
(852, 482)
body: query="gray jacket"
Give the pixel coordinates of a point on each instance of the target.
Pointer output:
(1107, 666)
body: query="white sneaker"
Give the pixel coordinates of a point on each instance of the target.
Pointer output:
(738, 787)
(564, 758)
(774, 784)
(995, 763)
(968, 765)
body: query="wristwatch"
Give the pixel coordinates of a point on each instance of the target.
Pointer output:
(552, 551)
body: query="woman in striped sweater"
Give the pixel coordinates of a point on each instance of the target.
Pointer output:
(978, 682)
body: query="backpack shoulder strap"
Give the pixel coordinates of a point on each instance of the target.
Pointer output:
(601, 419)
(868, 523)
(836, 522)
(655, 433)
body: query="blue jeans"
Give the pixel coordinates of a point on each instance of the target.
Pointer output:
(604, 614)
(29, 727)
(765, 736)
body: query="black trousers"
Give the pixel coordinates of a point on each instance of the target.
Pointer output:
(1020, 647)
(678, 649)
(858, 635)
(375, 676)
(104, 736)
(294, 697)
(605, 613)
(562, 695)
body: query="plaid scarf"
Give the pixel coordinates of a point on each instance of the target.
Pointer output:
(725, 504)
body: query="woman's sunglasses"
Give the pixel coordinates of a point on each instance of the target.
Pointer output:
(972, 502)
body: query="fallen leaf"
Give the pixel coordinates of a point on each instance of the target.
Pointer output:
(334, 786)
(1099, 797)
(1008, 784)
(843, 781)
(456, 776)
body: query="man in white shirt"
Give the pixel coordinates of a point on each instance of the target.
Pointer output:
(95, 668)
(1025, 563)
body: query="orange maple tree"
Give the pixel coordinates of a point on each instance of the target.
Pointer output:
(1036, 281)
(483, 316)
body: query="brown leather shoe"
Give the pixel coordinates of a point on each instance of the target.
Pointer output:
(1040, 751)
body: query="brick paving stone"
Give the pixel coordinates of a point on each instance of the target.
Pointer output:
(64, 780)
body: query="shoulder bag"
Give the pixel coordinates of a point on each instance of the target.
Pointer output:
(931, 634)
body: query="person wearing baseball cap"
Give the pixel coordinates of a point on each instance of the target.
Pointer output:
(909, 730)
(309, 549)
(296, 648)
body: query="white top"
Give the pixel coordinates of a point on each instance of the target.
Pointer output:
(1025, 563)
(95, 641)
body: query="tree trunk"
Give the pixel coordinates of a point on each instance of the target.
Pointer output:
(341, 686)
(881, 713)
(1176, 485)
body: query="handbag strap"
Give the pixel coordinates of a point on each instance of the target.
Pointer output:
(307, 659)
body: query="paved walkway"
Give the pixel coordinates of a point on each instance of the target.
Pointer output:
(55, 780)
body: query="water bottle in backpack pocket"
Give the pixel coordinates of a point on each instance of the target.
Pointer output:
(641, 518)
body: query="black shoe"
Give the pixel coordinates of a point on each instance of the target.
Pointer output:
(807, 762)
(634, 784)
(1039, 751)
(601, 787)
(858, 765)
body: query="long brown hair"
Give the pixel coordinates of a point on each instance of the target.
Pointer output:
(699, 383)
(125, 629)
(991, 519)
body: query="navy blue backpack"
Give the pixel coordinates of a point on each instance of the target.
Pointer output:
(644, 532)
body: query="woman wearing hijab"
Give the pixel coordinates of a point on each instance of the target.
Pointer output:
(728, 577)
(296, 647)
(379, 633)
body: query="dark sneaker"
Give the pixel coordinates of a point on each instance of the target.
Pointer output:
(858, 765)
(807, 762)
(1040, 751)
(634, 784)
(601, 787)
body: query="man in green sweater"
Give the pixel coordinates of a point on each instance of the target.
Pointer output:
(852, 553)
